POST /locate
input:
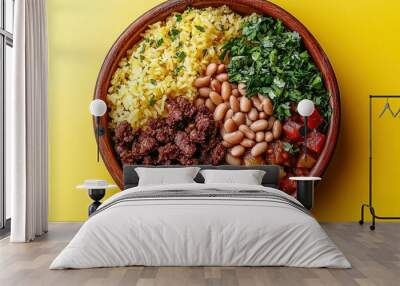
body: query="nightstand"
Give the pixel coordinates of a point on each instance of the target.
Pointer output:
(305, 190)
(96, 190)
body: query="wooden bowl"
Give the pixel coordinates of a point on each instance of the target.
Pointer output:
(132, 35)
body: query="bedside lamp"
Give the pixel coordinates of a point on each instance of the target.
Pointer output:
(305, 185)
(98, 108)
(305, 108)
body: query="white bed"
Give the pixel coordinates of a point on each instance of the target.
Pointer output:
(269, 229)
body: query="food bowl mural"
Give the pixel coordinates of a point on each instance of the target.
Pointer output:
(217, 82)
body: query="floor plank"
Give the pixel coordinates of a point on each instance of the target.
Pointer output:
(375, 257)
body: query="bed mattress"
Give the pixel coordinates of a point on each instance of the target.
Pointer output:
(201, 225)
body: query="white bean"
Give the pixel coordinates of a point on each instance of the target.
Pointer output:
(215, 97)
(247, 131)
(222, 77)
(211, 69)
(248, 143)
(239, 118)
(231, 160)
(259, 148)
(233, 137)
(267, 106)
(220, 111)
(245, 104)
(221, 68)
(202, 81)
(259, 125)
(210, 105)
(257, 103)
(242, 89)
(260, 136)
(230, 125)
(226, 144)
(204, 91)
(215, 85)
(277, 129)
(234, 103)
(271, 121)
(237, 151)
(253, 114)
(269, 136)
(226, 90)
(228, 114)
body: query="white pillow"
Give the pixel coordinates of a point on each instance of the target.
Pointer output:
(165, 176)
(247, 177)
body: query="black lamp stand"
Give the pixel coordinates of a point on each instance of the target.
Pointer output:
(303, 132)
(305, 136)
(96, 195)
(99, 132)
(305, 193)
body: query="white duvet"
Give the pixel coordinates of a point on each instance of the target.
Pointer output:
(200, 231)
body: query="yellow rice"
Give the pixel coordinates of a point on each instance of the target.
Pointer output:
(166, 62)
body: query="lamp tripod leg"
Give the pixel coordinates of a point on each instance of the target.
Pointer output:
(98, 136)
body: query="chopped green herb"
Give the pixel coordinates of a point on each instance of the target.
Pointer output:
(178, 17)
(174, 33)
(200, 28)
(272, 61)
(159, 42)
(290, 148)
(153, 81)
(178, 69)
(181, 56)
(152, 101)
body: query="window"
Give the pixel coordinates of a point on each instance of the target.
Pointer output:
(6, 62)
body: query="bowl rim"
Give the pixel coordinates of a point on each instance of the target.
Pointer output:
(132, 34)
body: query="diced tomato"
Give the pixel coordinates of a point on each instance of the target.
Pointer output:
(287, 185)
(314, 120)
(305, 161)
(315, 141)
(296, 118)
(276, 154)
(291, 129)
(301, 172)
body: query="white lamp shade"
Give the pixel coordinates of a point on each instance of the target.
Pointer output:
(305, 107)
(98, 107)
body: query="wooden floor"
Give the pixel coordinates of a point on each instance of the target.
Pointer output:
(375, 257)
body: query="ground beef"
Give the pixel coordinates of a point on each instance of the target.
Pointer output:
(183, 142)
(217, 154)
(197, 136)
(167, 153)
(123, 138)
(188, 135)
(180, 112)
(123, 133)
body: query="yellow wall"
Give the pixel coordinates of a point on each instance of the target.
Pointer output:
(361, 38)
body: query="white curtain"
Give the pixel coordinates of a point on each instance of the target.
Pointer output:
(26, 124)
